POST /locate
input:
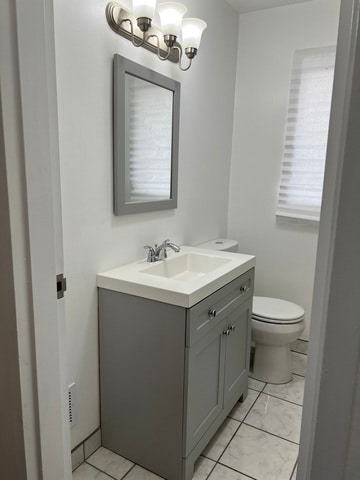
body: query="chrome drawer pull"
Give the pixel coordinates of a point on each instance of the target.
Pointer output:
(244, 289)
(232, 328)
(212, 313)
(226, 332)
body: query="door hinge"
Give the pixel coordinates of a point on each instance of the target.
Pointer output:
(60, 285)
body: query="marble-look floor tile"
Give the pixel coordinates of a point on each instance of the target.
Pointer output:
(293, 477)
(276, 416)
(221, 439)
(87, 472)
(300, 346)
(292, 391)
(223, 473)
(298, 363)
(240, 410)
(203, 467)
(110, 463)
(260, 455)
(256, 384)
(139, 473)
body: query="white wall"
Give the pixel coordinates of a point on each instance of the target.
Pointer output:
(94, 239)
(285, 252)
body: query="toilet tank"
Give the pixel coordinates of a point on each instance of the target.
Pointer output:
(223, 244)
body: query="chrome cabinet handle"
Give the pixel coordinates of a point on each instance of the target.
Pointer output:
(229, 330)
(244, 289)
(212, 313)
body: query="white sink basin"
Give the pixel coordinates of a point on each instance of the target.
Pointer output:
(188, 266)
(182, 279)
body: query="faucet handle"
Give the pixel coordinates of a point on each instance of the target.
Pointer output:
(151, 253)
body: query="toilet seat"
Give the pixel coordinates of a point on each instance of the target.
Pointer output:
(276, 311)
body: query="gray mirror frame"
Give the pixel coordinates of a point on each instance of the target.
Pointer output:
(122, 66)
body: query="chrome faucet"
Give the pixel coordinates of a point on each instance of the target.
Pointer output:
(158, 252)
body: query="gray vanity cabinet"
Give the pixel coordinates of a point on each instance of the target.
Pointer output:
(216, 368)
(205, 385)
(170, 375)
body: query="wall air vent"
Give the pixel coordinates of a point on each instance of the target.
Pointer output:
(72, 404)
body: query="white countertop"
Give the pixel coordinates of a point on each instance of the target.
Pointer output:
(133, 279)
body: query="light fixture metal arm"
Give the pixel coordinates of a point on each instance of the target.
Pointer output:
(178, 47)
(132, 33)
(158, 47)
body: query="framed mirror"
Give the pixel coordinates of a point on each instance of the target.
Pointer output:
(146, 139)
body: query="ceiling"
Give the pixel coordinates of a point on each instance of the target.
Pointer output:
(244, 6)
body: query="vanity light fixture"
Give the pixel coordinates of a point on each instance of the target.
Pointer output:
(170, 40)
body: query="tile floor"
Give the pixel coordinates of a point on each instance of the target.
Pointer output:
(259, 440)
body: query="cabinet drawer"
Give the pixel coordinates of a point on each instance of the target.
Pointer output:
(205, 315)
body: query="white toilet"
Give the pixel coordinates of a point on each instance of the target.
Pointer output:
(275, 324)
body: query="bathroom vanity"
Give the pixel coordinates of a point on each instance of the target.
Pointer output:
(171, 372)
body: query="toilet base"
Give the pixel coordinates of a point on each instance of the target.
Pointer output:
(272, 364)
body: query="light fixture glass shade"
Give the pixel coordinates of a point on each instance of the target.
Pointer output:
(171, 15)
(143, 8)
(191, 31)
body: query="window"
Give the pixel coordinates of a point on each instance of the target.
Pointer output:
(303, 163)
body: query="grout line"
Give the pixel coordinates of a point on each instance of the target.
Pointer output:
(213, 468)
(241, 422)
(247, 413)
(297, 351)
(93, 452)
(273, 434)
(283, 399)
(256, 399)
(127, 473)
(228, 443)
(102, 471)
(234, 470)
(85, 439)
(293, 470)
(72, 472)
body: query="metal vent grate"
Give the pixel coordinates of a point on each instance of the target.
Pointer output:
(72, 404)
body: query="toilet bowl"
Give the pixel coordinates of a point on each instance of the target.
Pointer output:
(275, 324)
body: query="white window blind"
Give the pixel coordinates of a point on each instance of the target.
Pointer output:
(149, 113)
(303, 162)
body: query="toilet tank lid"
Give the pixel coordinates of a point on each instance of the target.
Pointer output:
(219, 244)
(276, 309)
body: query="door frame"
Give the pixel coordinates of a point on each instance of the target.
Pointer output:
(331, 378)
(33, 206)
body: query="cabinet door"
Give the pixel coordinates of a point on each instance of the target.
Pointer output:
(237, 352)
(205, 373)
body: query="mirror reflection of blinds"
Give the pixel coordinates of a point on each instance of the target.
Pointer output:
(149, 140)
(303, 162)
